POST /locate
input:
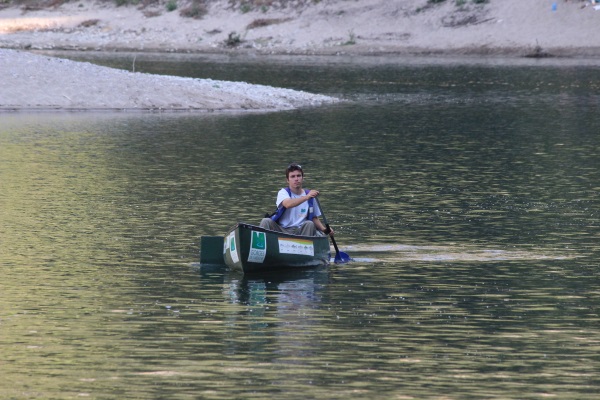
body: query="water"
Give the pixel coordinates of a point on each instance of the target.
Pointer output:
(467, 193)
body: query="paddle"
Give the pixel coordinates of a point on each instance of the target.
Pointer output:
(340, 256)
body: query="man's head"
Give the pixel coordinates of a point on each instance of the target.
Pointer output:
(293, 167)
(294, 176)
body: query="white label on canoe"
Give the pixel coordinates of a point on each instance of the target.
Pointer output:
(233, 248)
(296, 246)
(258, 247)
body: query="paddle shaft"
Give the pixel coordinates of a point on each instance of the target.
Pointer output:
(328, 230)
(337, 251)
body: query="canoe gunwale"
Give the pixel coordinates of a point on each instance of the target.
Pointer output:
(257, 228)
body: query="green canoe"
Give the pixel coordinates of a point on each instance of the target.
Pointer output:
(251, 248)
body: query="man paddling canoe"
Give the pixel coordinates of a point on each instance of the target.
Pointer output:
(297, 212)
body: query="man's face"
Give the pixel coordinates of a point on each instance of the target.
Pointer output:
(295, 179)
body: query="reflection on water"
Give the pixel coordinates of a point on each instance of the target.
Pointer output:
(468, 196)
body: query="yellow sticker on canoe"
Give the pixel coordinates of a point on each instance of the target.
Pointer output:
(303, 247)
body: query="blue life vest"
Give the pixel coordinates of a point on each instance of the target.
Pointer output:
(281, 209)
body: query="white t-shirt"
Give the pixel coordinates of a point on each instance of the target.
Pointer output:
(295, 216)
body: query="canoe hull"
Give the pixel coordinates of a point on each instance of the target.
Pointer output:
(250, 249)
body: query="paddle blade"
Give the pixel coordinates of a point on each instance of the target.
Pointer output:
(342, 258)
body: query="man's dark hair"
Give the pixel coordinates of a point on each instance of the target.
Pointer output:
(293, 167)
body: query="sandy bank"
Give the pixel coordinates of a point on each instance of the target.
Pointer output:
(38, 82)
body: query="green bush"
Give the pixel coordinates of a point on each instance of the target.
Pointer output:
(171, 5)
(120, 3)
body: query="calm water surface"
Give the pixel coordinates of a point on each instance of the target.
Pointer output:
(466, 192)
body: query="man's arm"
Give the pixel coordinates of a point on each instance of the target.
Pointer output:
(290, 202)
(319, 225)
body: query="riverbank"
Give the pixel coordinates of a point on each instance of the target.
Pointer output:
(508, 28)
(363, 27)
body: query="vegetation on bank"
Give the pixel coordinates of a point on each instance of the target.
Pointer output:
(187, 8)
(198, 8)
(170, 5)
(459, 2)
(464, 15)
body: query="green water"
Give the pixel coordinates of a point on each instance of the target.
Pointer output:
(467, 193)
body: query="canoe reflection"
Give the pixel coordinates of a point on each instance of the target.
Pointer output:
(273, 317)
(289, 290)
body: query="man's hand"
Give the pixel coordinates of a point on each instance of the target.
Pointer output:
(313, 193)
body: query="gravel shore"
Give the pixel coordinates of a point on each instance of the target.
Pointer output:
(33, 81)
